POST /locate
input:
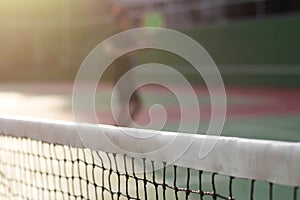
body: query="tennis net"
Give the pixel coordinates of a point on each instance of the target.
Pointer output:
(42, 159)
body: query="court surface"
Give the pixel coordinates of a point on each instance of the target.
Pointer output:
(252, 112)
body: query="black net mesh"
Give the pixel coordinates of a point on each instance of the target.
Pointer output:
(37, 170)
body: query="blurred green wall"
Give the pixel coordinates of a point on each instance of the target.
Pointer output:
(267, 44)
(274, 41)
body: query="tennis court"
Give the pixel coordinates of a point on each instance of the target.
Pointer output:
(58, 138)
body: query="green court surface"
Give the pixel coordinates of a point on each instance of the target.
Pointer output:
(249, 115)
(281, 128)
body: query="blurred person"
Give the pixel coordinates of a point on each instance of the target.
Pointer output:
(122, 65)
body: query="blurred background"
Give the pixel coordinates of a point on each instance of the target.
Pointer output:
(255, 44)
(48, 41)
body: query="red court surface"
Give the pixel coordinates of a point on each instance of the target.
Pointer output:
(54, 100)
